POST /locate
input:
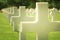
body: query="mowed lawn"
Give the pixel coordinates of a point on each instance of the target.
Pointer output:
(54, 36)
(57, 17)
(6, 31)
(4, 24)
(30, 36)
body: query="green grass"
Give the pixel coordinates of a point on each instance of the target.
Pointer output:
(6, 31)
(30, 36)
(54, 36)
(4, 24)
(3, 19)
(9, 36)
(57, 17)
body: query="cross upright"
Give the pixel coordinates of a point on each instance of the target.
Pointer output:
(40, 24)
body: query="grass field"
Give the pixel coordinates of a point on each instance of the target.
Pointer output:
(9, 36)
(4, 24)
(58, 17)
(6, 31)
(54, 36)
(30, 36)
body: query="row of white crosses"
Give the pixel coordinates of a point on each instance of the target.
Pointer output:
(13, 14)
(39, 23)
(20, 15)
(30, 12)
(53, 12)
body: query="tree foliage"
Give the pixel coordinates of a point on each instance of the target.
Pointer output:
(28, 3)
